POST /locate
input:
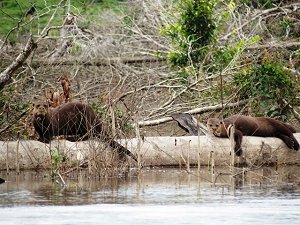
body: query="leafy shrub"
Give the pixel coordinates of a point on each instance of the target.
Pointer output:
(270, 86)
(191, 31)
(228, 54)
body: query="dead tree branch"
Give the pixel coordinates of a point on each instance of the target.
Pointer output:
(99, 62)
(193, 111)
(288, 44)
(292, 7)
(6, 75)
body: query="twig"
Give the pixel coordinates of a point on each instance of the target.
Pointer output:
(17, 155)
(7, 167)
(15, 121)
(138, 148)
(232, 146)
(75, 168)
(258, 15)
(199, 147)
(61, 178)
(46, 28)
(296, 114)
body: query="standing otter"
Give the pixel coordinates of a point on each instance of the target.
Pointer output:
(74, 120)
(253, 126)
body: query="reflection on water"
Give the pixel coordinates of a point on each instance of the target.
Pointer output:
(157, 196)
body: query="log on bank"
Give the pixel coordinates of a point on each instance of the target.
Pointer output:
(155, 151)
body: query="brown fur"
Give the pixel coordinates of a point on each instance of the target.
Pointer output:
(65, 83)
(74, 120)
(253, 126)
(54, 98)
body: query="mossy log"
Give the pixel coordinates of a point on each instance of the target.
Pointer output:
(154, 151)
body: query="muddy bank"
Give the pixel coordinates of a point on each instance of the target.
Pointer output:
(155, 151)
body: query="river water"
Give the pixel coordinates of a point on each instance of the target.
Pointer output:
(156, 196)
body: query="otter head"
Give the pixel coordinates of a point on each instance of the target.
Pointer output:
(215, 125)
(40, 108)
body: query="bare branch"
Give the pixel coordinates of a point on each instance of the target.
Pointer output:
(99, 62)
(288, 44)
(259, 14)
(193, 111)
(6, 75)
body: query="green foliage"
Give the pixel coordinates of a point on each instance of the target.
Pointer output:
(228, 54)
(99, 110)
(56, 158)
(269, 85)
(191, 31)
(13, 14)
(286, 25)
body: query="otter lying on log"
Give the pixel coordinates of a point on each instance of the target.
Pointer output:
(253, 126)
(74, 120)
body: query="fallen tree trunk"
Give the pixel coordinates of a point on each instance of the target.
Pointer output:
(100, 62)
(155, 151)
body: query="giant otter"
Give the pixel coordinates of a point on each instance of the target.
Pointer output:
(74, 120)
(253, 126)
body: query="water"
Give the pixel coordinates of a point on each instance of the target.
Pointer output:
(158, 196)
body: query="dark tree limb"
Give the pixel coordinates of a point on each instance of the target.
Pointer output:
(186, 122)
(6, 75)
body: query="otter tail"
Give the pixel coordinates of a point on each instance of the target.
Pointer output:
(122, 150)
(101, 132)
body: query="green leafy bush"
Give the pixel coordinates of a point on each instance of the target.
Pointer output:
(13, 14)
(191, 31)
(228, 54)
(56, 158)
(269, 86)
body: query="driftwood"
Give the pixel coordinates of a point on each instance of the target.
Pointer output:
(154, 151)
